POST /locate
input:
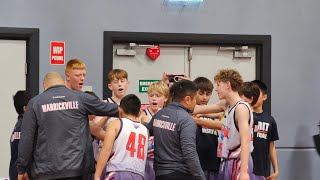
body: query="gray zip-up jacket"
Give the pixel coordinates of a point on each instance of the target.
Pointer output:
(55, 133)
(174, 133)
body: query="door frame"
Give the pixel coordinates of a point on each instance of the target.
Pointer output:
(261, 42)
(31, 36)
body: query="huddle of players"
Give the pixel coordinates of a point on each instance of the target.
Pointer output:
(265, 131)
(127, 150)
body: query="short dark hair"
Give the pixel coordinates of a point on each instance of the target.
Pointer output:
(21, 99)
(250, 90)
(183, 88)
(262, 86)
(204, 84)
(131, 104)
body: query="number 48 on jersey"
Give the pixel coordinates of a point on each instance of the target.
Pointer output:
(131, 145)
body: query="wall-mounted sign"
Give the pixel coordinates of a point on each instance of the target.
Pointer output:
(57, 53)
(144, 84)
(153, 52)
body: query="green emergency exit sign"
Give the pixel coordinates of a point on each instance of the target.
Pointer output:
(144, 84)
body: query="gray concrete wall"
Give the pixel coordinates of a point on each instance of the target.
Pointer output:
(293, 24)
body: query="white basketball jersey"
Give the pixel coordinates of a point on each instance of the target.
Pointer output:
(229, 140)
(148, 113)
(151, 138)
(130, 148)
(97, 144)
(110, 100)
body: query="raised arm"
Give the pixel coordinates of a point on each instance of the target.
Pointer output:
(211, 115)
(212, 124)
(97, 107)
(211, 108)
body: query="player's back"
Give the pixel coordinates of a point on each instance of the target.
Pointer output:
(129, 149)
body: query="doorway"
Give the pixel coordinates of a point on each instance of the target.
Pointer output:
(19, 63)
(260, 45)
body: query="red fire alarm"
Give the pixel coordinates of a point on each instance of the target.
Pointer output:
(153, 52)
